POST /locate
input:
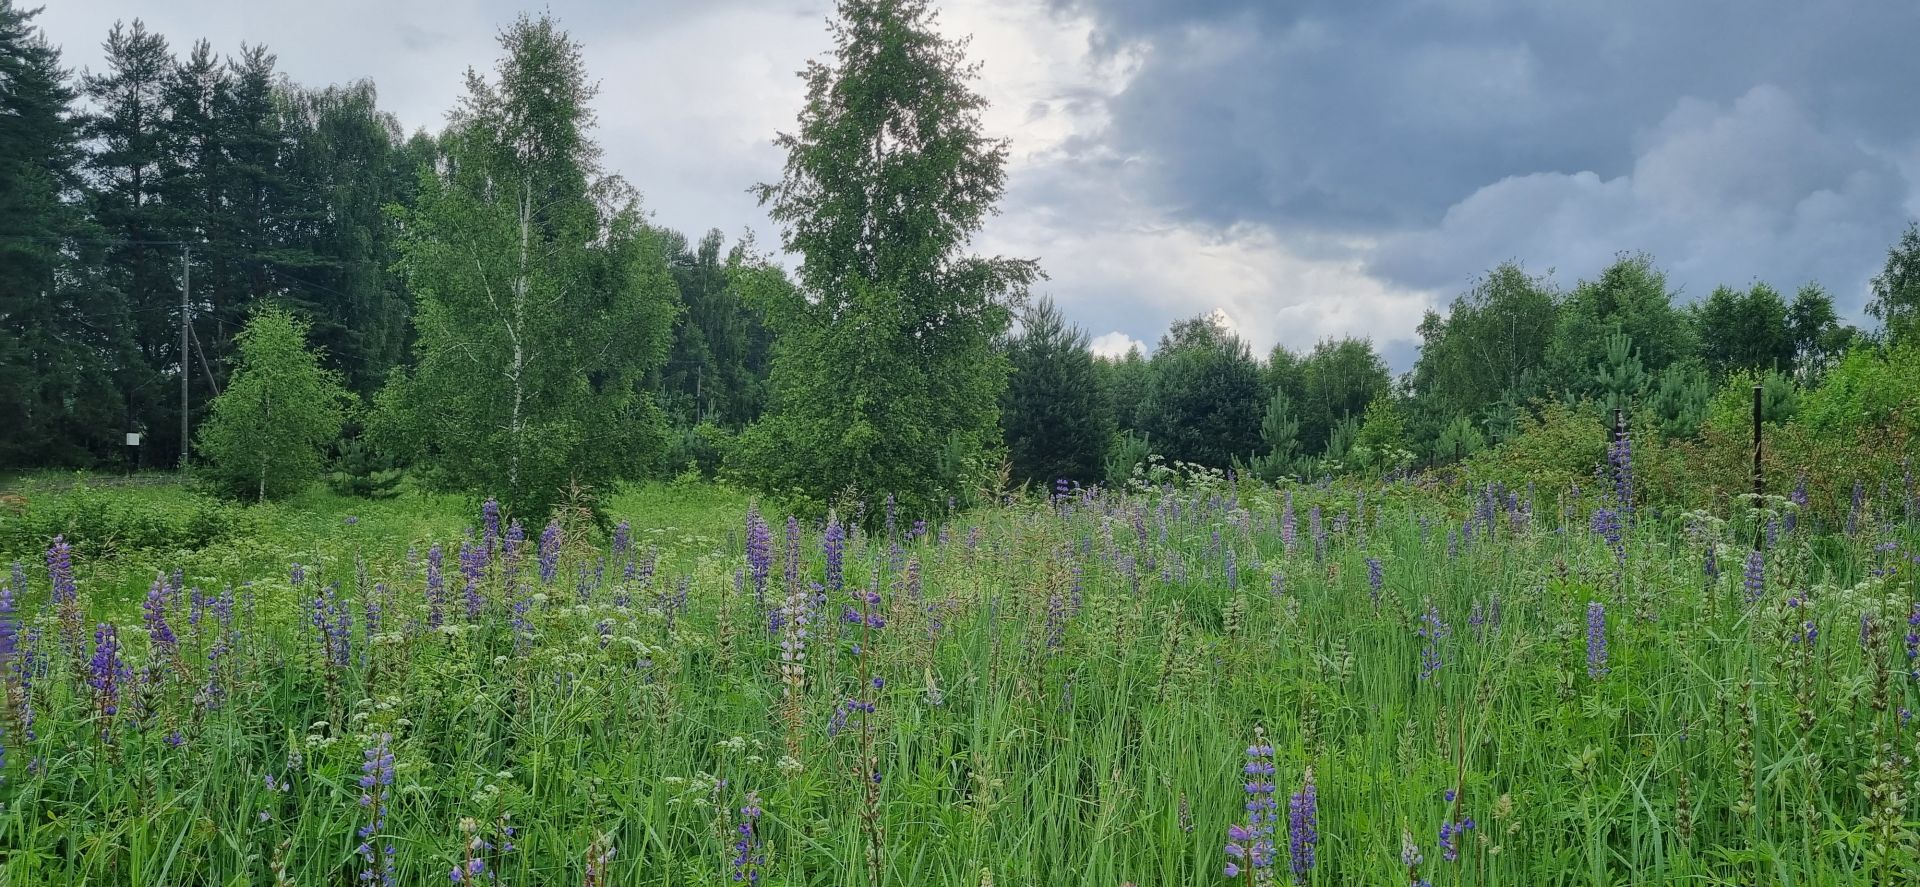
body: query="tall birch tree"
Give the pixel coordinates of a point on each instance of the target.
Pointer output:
(543, 298)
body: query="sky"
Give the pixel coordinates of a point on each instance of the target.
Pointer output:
(1300, 170)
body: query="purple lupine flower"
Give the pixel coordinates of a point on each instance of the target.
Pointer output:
(1376, 578)
(1913, 640)
(549, 555)
(510, 546)
(759, 553)
(1596, 640)
(297, 574)
(1449, 841)
(60, 570)
(1756, 575)
(834, 545)
(473, 561)
(154, 611)
(1319, 532)
(489, 526)
(1433, 631)
(747, 858)
(9, 632)
(1606, 524)
(436, 588)
(791, 569)
(622, 540)
(893, 513)
(1620, 459)
(106, 673)
(1303, 827)
(1249, 845)
(1711, 563)
(1231, 569)
(376, 777)
(1289, 526)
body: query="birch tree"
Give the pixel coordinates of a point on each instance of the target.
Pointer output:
(543, 298)
(264, 434)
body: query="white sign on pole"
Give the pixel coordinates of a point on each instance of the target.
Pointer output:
(133, 438)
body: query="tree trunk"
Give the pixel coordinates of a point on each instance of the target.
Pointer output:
(514, 373)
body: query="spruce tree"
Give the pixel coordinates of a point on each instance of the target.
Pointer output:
(125, 130)
(543, 298)
(58, 322)
(885, 376)
(1057, 419)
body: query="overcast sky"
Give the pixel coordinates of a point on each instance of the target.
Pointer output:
(1308, 169)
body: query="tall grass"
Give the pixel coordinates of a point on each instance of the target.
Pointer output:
(1062, 692)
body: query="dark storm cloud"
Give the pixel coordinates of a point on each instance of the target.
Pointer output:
(1731, 140)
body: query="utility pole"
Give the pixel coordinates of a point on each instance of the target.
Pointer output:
(186, 315)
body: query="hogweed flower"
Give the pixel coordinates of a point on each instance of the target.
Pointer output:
(1596, 640)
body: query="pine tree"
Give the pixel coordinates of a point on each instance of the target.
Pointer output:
(266, 431)
(543, 298)
(885, 376)
(1057, 419)
(58, 404)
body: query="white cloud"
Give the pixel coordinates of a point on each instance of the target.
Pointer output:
(1115, 344)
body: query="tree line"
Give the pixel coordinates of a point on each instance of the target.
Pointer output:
(488, 309)
(173, 191)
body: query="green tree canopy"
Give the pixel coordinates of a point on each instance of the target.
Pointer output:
(265, 432)
(1055, 411)
(1744, 331)
(1206, 397)
(1338, 380)
(1629, 297)
(58, 317)
(543, 298)
(884, 372)
(1896, 289)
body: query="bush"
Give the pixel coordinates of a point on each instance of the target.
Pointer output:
(101, 523)
(700, 449)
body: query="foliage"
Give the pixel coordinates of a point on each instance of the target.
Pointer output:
(1868, 389)
(1058, 421)
(544, 299)
(1338, 380)
(1380, 445)
(1555, 448)
(1127, 455)
(1630, 298)
(886, 365)
(59, 401)
(1747, 331)
(1204, 396)
(1896, 289)
(265, 434)
(1490, 345)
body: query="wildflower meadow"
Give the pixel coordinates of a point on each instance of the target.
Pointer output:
(1192, 679)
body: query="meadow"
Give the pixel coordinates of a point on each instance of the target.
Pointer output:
(1191, 680)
